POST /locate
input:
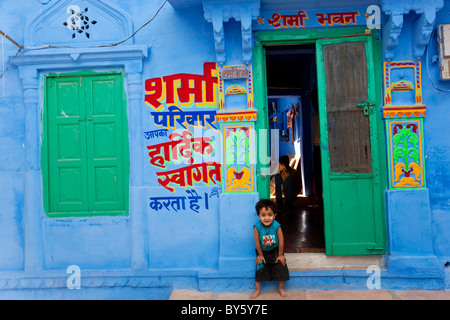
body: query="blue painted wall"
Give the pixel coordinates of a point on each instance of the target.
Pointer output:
(417, 218)
(437, 142)
(148, 253)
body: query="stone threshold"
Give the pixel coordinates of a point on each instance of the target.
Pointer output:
(320, 261)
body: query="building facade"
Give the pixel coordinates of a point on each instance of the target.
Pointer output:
(138, 136)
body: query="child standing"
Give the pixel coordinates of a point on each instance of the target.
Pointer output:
(269, 242)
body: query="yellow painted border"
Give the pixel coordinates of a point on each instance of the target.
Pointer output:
(225, 180)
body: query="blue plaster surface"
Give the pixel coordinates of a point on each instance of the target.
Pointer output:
(194, 237)
(149, 253)
(410, 231)
(11, 222)
(114, 293)
(437, 144)
(110, 235)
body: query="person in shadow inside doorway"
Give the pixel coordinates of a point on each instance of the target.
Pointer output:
(287, 181)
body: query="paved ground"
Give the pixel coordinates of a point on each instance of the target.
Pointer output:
(316, 295)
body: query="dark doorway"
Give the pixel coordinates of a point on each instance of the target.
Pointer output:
(291, 91)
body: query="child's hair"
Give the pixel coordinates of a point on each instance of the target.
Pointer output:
(284, 160)
(265, 203)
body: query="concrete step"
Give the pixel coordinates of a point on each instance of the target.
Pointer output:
(320, 261)
(315, 295)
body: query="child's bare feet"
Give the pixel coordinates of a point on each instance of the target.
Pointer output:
(257, 291)
(255, 294)
(282, 292)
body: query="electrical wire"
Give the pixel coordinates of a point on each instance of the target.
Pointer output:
(21, 47)
(157, 12)
(11, 39)
(10, 62)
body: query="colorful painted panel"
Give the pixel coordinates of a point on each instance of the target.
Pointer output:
(179, 151)
(238, 158)
(405, 153)
(403, 90)
(402, 77)
(403, 111)
(236, 87)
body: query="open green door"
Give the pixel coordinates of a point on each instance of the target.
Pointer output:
(353, 203)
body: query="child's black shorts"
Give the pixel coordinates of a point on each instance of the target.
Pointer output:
(271, 270)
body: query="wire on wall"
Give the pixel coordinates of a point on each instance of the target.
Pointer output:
(9, 64)
(21, 47)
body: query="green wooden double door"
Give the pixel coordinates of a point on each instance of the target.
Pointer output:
(85, 160)
(351, 139)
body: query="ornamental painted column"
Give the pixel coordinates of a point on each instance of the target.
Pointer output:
(408, 203)
(237, 128)
(236, 117)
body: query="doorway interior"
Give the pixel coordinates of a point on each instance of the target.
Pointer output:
(292, 100)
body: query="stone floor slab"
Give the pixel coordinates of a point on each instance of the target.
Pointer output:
(315, 295)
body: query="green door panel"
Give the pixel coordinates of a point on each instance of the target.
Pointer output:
(85, 146)
(67, 166)
(105, 148)
(353, 209)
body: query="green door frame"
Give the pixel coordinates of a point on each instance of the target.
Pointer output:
(120, 96)
(296, 37)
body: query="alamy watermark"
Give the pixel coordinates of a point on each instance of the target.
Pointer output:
(74, 280)
(373, 17)
(374, 280)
